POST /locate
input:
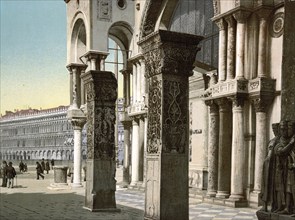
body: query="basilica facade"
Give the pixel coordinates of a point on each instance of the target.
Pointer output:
(207, 79)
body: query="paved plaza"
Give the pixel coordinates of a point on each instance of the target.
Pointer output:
(33, 199)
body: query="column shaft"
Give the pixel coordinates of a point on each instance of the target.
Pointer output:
(238, 152)
(260, 150)
(138, 83)
(262, 48)
(134, 84)
(126, 164)
(224, 155)
(231, 44)
(222, 50)
(213, 150)
(135, 153)
(141, 148)
(240, 50)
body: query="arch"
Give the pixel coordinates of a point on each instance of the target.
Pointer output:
(68, 155)
(48, 156)
(58, 155)
(78, 42)
(53, 156)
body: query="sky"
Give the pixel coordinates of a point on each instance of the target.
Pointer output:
(33, 54)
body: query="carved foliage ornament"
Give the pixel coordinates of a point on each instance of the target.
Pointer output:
(175, 115)
(90, 130)
(154, 116)
(104, 92)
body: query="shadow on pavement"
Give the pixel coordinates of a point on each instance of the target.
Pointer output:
(41, 206)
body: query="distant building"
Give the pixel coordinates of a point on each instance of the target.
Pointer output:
(35, 134)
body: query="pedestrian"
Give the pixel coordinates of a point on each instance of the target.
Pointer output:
(25, 167)
(39, 171)
(4, 176)
(52, 163)
(43, 165)
(21, 166)
(10, 172)
(47, 167)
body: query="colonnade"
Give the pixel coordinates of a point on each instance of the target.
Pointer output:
(226, 150)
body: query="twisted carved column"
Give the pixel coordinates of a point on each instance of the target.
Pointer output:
(222, 49)
(169, 58)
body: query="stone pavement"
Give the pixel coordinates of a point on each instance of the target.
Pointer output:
(32, 199)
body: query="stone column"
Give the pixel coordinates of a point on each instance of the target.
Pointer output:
(222, 49)
(96, 59)
(231, 47)
(169, 57)
(134, 85)
(261, 141)
(135, 152)
(288, 63)
(77, 124)
(141, 148)
(101, 95)
(126, 176)
(213, 149)
(240, 17)
(138, 82)
(224, 155)
(77, 118)
(143, 79)
(238, 150)
(262, 42)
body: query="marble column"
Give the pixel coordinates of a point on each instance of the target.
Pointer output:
(138, 82)
(141, 148)
(77, 118)
(213, 149)
(101, 95)
(240, 17)
(134, 84)
(238, 150)
(262, 42)
(261, 141)
(77, 126)
(135, 153)
(166, 194)
(222, 49)
(126, 176)
(143, 79)
(231, 47)
(225, 145)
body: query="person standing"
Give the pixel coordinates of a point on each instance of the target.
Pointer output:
(43, 165)
(47, 167)
(4, 177)
(39, 170)
(10, 173)
(52, 163)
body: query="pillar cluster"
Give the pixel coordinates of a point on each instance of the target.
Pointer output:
(227, 155)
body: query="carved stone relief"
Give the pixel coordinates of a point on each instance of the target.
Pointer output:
(90, 130)
(104, 8)
(175, 113)
(277, 25)
(154, 116)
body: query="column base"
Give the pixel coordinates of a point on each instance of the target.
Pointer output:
(102, 210)
(236, 197)
(211, 194)
(124, 185)
(76, 185)
(254, 199)
(222, 194)
(58, 186)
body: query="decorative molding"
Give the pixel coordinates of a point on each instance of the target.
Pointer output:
(216, 7)
(277, 25)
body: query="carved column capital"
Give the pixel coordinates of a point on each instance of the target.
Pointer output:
(224, 104)
(213, 107)
(230, 21)
(78, 123)
(167, 52)
(241, 16)
(263, 13)
(261, 104)
(221, 24)
(76, 67)
(237, 101)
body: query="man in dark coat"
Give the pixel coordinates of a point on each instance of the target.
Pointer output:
(43, 165)
(39, 170)
(10, 173)
(3, 171)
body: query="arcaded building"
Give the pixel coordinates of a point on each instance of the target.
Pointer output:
(207, 79)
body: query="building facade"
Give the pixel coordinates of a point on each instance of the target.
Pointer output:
(207, 80)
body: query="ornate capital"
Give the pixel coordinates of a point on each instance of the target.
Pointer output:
(221, 24)
(224, 104)
(76, 67)
(78, 123)
(237, 101)
(263, 13)
(167, 52)
(261, 104)
(241, 16)
(230, 21)
(212, 105)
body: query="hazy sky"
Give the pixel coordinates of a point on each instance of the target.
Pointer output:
(33, 54)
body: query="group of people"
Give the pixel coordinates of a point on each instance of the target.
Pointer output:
(42, 167)
(8, 174)
(278, 182)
